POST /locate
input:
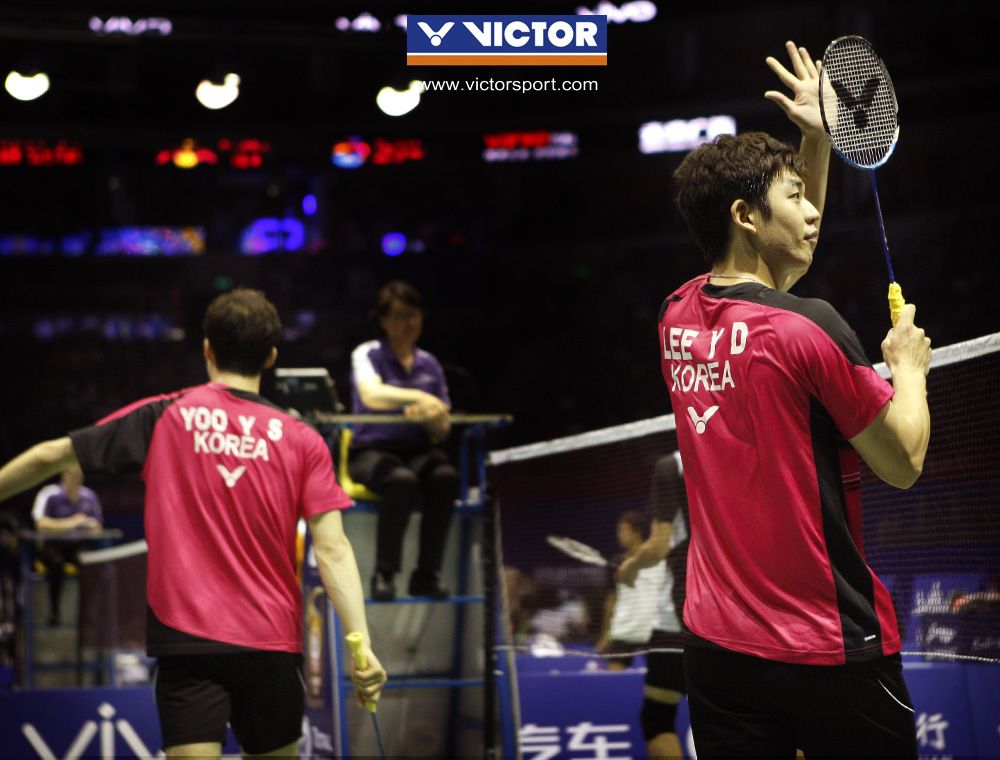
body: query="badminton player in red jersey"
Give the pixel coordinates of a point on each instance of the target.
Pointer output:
(792, 639)
(228, 475)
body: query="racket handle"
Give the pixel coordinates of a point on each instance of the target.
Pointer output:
(355, 641)
(896, 302)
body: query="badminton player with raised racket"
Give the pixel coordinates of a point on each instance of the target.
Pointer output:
(792, 639)
(228, 475)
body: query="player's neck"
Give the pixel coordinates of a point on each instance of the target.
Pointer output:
(233, 380)
(740, 266)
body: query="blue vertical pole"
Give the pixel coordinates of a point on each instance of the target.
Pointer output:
(340, 739)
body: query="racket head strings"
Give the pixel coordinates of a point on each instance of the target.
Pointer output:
(858, 103)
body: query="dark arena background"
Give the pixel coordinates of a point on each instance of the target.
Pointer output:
(540, 228)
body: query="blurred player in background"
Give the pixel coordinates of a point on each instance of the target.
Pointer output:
(629, 609)
(665, 548)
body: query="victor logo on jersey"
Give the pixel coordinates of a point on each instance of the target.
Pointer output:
(701, 422)
(230, 477)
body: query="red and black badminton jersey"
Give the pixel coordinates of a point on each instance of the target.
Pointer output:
(766, 388)
(228, 475)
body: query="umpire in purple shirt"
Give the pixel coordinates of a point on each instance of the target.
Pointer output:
(397, 462)
(60, 508)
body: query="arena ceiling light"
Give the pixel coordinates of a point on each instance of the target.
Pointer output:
(680, 135)
(366, 22)
(215, 96)
(636, 11)
(395, 102)
(22, 87)
(129, 27)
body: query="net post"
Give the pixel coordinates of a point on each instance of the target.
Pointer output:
(489, 629)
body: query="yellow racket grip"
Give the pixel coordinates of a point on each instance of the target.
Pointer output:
(896, 302)
(355, 641)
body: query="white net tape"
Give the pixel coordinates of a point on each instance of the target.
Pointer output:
(941, 357)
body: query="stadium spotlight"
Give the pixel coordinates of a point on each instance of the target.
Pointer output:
(215, 96)
(393, 243)
(23, 87)
(395, 102)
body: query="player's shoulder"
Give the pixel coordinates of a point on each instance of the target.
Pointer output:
(804, 318)
(680, 294)
(155, 404)
(816, 311)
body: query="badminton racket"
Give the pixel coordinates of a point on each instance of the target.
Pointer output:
(859, 111)
(578, 550)
(355, 641)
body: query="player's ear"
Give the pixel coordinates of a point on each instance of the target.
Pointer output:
(271, 358)
(206, 350)
(743, 216)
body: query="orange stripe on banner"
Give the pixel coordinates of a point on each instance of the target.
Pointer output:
(535, 59)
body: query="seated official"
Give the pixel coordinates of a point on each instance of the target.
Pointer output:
(398, 462)
(60, 507)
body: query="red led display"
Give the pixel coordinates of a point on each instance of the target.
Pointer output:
(40, 153)
(389, 152)
(245, 154)
(188, 156)
(514, 140)
(240, 154)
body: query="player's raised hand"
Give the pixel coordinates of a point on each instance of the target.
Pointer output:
(906, 347)
(803, 107)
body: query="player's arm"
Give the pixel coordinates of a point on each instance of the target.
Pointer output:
(651, 552)
(804, 111)
(610, 600)
(37, 464)
(339, 572)
(895, 443)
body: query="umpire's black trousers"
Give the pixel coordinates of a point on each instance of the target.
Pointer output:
(398, 477)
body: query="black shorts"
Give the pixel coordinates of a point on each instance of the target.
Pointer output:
(665, 670)
(260, 694)
(743, 705)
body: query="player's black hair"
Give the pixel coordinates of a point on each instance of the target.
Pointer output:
(242, 327)
(727, 169)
